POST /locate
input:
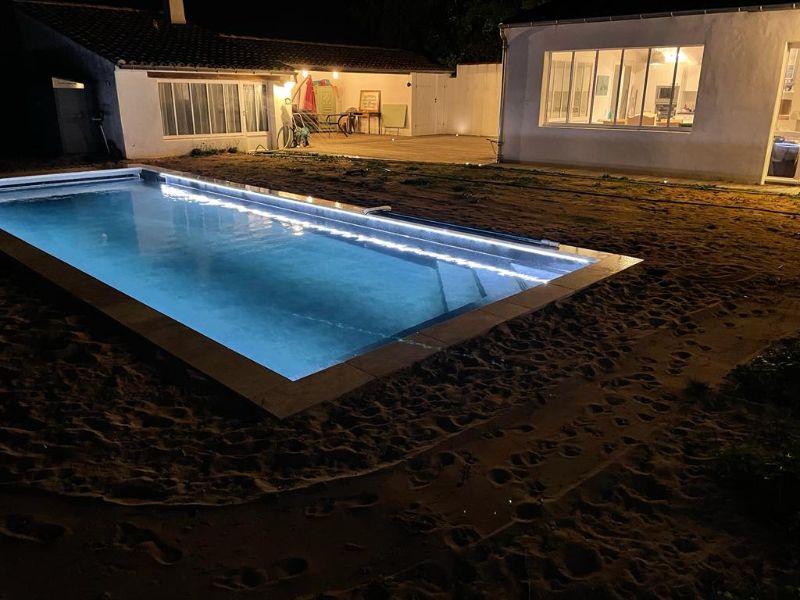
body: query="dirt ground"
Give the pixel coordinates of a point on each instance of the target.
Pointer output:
(560, 455)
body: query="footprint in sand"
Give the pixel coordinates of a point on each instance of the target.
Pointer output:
(325, 506)
(131, 537)
(321, 508)
(527, 511)
(462, 536)
(570, 451)
(526, 459)
(241, 579)
(29, 528)
(581, 560)
(293, 566)
(359, 502)
(614, 400)
(247, 578)
(500, 476)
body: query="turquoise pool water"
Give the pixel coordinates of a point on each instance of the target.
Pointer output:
(293, 287)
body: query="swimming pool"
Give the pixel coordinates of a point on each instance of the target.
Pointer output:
(294, 284)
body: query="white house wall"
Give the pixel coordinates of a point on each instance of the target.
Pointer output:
(140, 114)
(736, 103)
(473, 100)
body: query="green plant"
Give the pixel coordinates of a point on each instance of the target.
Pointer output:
(765, 475)
(417, 181)
(772, 377)
(696, 389)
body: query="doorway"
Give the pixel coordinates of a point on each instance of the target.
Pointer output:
(74, 108)
(428, 101)
(784, 149)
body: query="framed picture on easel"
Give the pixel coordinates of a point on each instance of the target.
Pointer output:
(370, 101)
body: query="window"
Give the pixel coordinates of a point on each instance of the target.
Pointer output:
(582, 78)
(558, 88)
(606, 85)
(628, 87)
(211, 108)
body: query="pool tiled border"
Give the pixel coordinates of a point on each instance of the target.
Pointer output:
(274, 393)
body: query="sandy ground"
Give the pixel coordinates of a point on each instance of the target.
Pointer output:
(557, 456)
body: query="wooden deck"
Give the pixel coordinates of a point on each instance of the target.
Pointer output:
(430, 148)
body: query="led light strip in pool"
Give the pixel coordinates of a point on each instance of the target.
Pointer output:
(177, 193)
(220, 190)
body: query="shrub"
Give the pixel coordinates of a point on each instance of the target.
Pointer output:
(418, 181)
(773, 377)
(765, 475)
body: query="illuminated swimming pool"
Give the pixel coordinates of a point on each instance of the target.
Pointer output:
(292, 283)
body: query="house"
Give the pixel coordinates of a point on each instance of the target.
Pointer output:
(705, 93)
(160, 86)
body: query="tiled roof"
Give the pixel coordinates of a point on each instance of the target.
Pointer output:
(140, 38)
(310, 55)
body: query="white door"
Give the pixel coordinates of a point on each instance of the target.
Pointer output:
(428, 104)
(255, 102)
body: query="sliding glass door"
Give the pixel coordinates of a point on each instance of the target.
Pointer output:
(785, 139)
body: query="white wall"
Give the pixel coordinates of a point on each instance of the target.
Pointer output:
(736, 102)
(473, 100)
(140, 114)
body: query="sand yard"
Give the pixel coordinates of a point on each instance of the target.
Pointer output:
(566, 453)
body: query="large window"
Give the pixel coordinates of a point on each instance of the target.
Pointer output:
(212, 108)
(628, 87)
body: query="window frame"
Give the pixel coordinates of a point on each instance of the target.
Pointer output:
(241, 109)
(546, 92)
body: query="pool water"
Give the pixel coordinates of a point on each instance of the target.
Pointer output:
(293, 290)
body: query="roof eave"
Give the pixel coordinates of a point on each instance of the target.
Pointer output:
(655, 15)
(196, 69)
(373, 70)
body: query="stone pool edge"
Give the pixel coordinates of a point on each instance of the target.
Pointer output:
(273, 392)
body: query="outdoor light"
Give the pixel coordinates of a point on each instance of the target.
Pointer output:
(667, 56)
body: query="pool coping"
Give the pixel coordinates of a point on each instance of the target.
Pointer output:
(273, 392)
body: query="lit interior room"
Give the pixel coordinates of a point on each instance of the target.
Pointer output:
(631, 87)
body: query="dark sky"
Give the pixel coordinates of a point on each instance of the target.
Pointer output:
(446, 30)
(449, 31)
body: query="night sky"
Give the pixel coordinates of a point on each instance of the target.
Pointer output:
(449, 31)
